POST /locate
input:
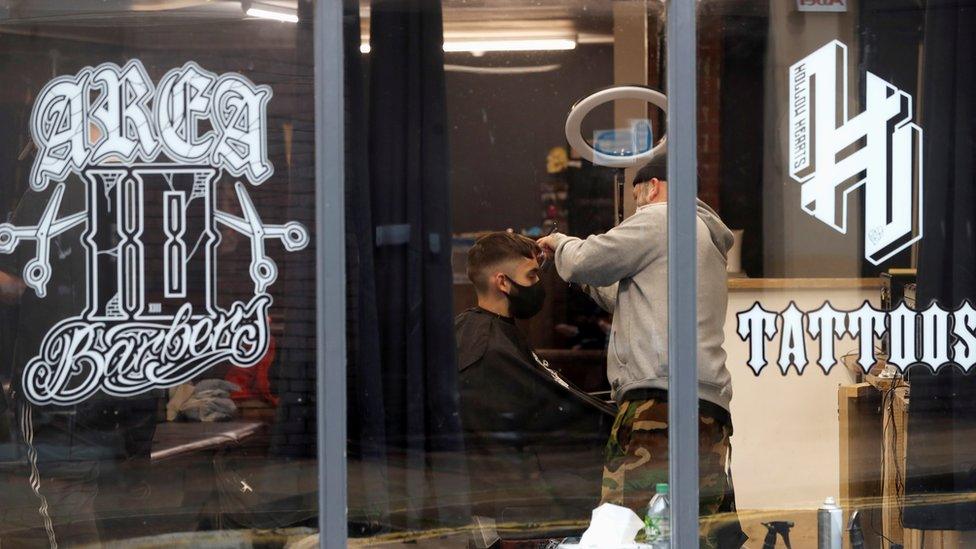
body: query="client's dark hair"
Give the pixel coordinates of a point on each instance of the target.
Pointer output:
(495, 248)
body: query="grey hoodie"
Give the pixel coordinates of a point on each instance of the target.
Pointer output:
(626, 270)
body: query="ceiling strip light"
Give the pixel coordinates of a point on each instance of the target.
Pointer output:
(479, 46)
(539, 44)
(270, 11)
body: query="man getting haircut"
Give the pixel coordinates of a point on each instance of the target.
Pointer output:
(533, 442)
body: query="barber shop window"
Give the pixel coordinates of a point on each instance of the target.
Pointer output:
(507, 271)
(836, 140)
(508, 375)
(449, 262)
(157, 353)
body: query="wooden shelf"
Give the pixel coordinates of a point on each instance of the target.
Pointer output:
(804, 283)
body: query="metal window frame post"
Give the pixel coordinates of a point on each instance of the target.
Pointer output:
(682, 65)
(330, 259)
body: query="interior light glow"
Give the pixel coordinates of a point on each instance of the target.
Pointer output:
(270, 11)
(481, 46)
(540, 44)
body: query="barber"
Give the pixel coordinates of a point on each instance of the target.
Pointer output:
(625, 270)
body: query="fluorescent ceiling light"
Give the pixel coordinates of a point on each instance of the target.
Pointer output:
(477, 36)
(270, 11)
(500, 70)
(480, 46)
(538, 44)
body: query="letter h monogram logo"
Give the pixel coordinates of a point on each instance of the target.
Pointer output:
(832, 155)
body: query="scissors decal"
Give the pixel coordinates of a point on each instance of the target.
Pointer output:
(292, 235)
(37, 272)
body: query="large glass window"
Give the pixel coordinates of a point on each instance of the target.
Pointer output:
(157, 297)
(833, 258)
(836, 141)
(513, 315)
(494, 349)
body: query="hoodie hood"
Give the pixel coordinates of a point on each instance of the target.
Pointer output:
(721, 235)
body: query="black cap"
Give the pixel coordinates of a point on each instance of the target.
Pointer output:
(657, 167)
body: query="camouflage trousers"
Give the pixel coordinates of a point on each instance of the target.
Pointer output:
(636, 460)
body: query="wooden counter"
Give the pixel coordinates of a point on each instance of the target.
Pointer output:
(804, 283)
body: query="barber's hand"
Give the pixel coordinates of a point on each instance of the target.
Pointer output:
(548, 244)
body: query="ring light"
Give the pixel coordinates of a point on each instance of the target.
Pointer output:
(578, 112)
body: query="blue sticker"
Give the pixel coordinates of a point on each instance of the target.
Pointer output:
(637, 139)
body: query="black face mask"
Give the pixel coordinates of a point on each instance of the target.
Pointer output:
(526, 301)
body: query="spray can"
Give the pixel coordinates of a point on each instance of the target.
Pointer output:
(829, 525)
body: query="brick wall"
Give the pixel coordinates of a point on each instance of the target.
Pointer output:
(710, 33)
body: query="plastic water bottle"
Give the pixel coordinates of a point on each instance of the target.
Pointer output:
(657, 522)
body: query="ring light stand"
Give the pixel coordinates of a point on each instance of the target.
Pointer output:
(574, 135)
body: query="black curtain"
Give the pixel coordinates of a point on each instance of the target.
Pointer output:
(744, 45)
(406, 451)
(367, 471)
(941, 457)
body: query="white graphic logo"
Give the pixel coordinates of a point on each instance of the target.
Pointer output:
(151, 227)
(933, 337)
(832, 155)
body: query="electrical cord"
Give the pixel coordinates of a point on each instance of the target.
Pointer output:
(888, 409)
(887, 413)
(899, 474)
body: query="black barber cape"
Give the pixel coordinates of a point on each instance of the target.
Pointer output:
(534, 441)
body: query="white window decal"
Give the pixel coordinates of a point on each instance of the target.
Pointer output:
(832, 154)
(174, 251)
(932, 337)
(152, 320)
